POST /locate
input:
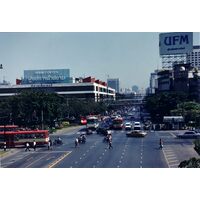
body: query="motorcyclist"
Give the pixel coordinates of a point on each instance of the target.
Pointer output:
(83, 138)
(59, 140)
(79, 139)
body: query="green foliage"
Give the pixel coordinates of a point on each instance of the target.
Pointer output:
(190, 111)
(197, 145)
(28, 108)
(159, 105)
(191, 163)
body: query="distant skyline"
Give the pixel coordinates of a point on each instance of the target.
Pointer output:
(131, 57)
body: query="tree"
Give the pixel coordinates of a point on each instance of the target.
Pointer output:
(190, 111)
(159, 105)
(191, 163)
(34, 108)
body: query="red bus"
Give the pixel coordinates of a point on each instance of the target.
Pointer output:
(117, 123)
(13, 136)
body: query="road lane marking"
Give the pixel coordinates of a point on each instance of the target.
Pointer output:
(52, 157)
(173, 161)
(173, 135)
(168, 149)
(174, 165)
(59, 159)
(171, 156)
(31, 158)
(35, 161)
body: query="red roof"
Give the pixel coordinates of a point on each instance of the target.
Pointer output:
(89, 79)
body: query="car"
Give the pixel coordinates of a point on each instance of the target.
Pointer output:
(86, 131)
(136, 133)
(136, 123)
(83, 121)
(128, 126)
(189, 135)
(103, 128)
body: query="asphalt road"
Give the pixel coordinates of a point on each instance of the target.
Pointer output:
(127, 152)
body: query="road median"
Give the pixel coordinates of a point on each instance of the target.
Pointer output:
(66, 130)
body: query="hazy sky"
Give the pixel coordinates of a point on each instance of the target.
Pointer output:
(131, 57)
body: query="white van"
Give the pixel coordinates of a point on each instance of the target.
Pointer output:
(137, 124)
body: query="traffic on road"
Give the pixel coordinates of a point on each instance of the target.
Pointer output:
(118, 140)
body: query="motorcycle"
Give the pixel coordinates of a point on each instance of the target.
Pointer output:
(82, 139)
(58, 142)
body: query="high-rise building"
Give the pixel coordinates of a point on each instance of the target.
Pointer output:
(153, 82)
(113, 83)
(194, 57)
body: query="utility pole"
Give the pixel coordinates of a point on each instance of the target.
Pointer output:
(42, 118)
(107, 96)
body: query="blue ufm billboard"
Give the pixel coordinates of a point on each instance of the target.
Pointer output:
(46, 76)
(176, 43)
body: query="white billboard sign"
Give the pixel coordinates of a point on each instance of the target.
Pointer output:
(176, 43)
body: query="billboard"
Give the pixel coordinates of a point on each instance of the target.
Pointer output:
(48, 76)
(175, 43)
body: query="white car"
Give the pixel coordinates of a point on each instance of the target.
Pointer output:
(128, 126)
(136, 123)
(189, 135)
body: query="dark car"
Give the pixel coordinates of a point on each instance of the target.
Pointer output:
(103, 128)
(86, 131)
(189, 135)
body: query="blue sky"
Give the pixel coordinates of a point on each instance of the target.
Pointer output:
(131, 57)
